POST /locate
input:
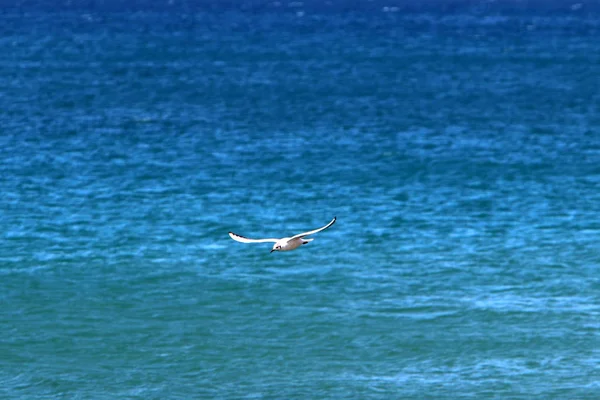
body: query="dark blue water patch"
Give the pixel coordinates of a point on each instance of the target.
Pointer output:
(332, 6)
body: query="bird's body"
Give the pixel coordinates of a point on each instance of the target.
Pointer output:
(287, 244)
(283, 244)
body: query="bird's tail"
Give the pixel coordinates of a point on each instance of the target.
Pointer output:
(304, 241)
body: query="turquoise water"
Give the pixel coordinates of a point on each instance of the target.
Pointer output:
(460, 153)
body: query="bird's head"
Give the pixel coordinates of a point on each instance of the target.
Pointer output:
(276, 247)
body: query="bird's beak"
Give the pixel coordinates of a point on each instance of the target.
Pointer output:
(271, 251)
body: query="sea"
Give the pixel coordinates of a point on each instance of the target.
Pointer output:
(456, 142)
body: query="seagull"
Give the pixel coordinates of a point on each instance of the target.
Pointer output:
(286, 243)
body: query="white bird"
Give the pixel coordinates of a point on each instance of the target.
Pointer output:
(286, 243)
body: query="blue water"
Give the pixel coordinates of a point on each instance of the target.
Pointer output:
(459, 150)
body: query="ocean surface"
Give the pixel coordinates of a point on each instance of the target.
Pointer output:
(459, 149)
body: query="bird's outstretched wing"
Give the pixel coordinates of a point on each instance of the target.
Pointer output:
(242, 239)
(301, 235)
